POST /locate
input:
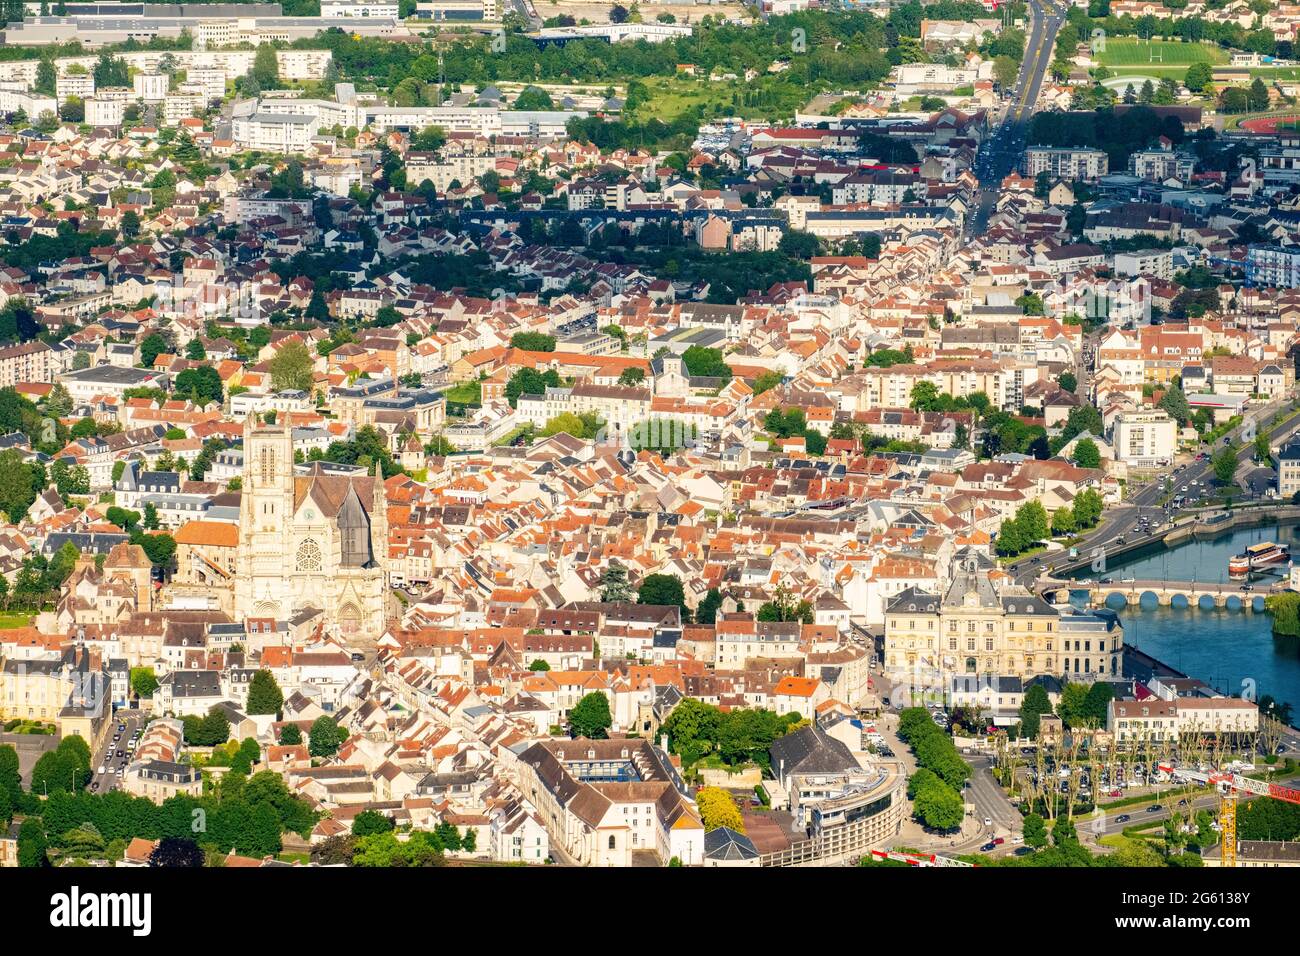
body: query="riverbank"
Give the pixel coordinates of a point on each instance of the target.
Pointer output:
(1201, 527)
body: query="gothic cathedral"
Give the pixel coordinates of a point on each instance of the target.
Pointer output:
(309, 540)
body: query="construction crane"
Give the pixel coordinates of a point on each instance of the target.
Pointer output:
(919, 859)
(1229, 784)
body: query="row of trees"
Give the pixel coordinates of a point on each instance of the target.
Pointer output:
(935, 787)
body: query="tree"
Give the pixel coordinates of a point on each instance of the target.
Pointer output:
(1087, 508)
(143, 681)
(661, 589)
(1198, 76)
(152, 346)
(939, 807)
(325, 737)
(1262, 450)
(370, 822)
(1174, 402)
(533, 342)
(783, 607)
(200, 385)
(718, 809)
(1086, 454)
(1258, 94)
(529, 381)
(32, 844)
(631, 375)
(1067, 381)
(924, 395)
(46, 77)
(266, 67)
(1224, 464)
(539, 665)
(614, 587)
(1005, 71)
(707, 611)
(292, 367)
(130, 224)
(590, 717)
(264, 694)
(1035, 831)
(1063, 833)
(1034, 704)
(290, 735)
(706, 363)
(766, 381)
(177, 852)
(195, 351)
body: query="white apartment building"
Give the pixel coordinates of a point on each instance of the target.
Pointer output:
(1145, 438)
(105, 112)
(151, 87)
(80, 85)
(1153, 263)
(179, 106)
(1273, 266)
(1066, 162)
(274, 132)
(33, 104)
(208, 82)
(443, 172)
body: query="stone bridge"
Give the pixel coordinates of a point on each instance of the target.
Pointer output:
(1176, 594)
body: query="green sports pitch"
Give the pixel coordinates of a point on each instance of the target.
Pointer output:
(1130, 51)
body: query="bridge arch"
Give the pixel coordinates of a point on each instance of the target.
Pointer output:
(1149, 600)
(1257, 603)
(1179, 602)
(1233, 603)
(1205, 602)
(1116, 601)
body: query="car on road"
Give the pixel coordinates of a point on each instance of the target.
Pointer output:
(1123, 818)
(1116, 792)
(988, 847)
(1248, 587)
(1024, 850)
(100, 771)
(1106, 581)
(1154, 808)
(988, 822)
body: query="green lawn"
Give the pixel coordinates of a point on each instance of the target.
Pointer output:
(11, 619)
(1130, 51)
(467, 393)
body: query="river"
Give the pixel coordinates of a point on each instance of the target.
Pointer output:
(1222, 647)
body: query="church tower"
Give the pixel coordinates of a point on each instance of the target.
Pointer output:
(265, 513)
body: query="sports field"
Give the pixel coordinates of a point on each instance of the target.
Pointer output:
(1130, 51)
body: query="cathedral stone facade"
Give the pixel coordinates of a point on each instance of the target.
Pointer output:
(309, 540)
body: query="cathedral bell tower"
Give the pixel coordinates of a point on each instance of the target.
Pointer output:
(265, 521)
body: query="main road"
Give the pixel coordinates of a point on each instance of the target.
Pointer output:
(999, 153)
